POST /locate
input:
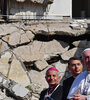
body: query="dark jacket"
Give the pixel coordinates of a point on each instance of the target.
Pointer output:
(56, 95)
(66, 87)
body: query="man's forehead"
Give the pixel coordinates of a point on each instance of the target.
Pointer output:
(52, 72)
(86, 53)
(76, 60)
(88, 49)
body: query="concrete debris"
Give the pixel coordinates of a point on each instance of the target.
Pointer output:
(14, 88)
(78, 24)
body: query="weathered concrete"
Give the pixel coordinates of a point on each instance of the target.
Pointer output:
(13, 70)
(14, 88)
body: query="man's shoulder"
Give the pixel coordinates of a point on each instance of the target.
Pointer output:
(42, 94)
(81, 76)
(68, 79)
(60, 87)
(44, 90)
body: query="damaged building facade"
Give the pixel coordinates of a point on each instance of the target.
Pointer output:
(29, 47)
(44, 9)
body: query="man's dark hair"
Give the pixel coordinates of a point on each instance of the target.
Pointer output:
(73, 58)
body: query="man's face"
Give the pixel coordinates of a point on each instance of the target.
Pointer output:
(75, 67)
(86, 59)
(52, 78)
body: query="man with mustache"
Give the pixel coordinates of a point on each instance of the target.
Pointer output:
(54, 92)
(80, 89)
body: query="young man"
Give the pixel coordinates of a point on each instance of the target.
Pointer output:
(76, 67)
(54, 92)
(80, 89)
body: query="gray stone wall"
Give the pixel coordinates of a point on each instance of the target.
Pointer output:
(29, 48)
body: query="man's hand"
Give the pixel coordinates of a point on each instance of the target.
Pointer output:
(79, 97)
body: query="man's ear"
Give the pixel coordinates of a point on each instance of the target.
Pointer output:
(59, 78)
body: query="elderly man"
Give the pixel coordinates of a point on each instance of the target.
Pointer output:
(76, 67)
(80, 89)
(54, 92)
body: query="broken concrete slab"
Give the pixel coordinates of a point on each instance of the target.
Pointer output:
(17, 90)
(13, 70)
